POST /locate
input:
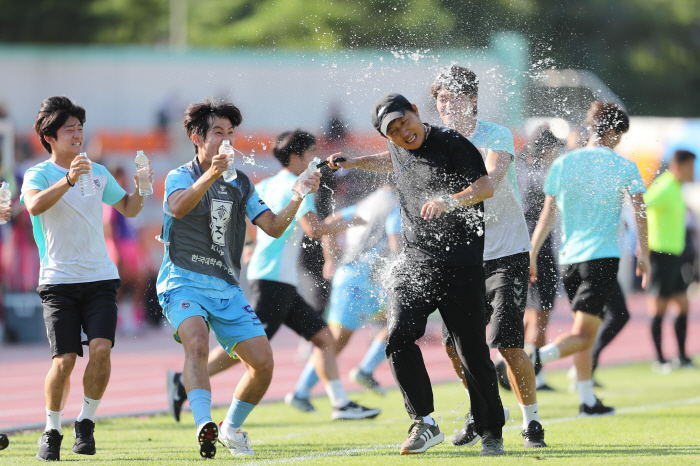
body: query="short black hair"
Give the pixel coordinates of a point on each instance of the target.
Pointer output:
(683, 156)
(458, 80)
(543, 142)
(604, 116)
(292, 142)
(53, 114)
(200, 116)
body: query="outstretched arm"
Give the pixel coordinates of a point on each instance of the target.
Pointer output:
(478, 191)
(380, 162)
(497, 163)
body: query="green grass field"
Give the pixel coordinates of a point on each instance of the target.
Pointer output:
(657, 422)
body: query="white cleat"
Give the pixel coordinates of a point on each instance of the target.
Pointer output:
(239, 445)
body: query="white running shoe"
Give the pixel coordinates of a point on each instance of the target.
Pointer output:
(239, 445)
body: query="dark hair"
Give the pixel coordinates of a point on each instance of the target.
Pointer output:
(683, 156)
(53, 114)
(458, 80)
(200, 116)
(292, 142)
(543, 142)
(604, 116)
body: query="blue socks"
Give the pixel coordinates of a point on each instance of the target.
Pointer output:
(374, 356)
(237, 413)
(200, 403)
(307, 380)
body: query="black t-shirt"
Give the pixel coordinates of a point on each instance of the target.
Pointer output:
(446, 163)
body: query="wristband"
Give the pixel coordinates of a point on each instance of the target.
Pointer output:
(68, 180)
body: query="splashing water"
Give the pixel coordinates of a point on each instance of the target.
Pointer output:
(247, 159)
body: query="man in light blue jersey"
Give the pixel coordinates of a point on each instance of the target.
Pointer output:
(77, 282)
(506, 246)
(588, 187)
(357, 294)
(198, 283)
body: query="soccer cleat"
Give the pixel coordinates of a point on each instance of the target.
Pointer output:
(421, 436)
(207, 435)
(239, 445)
(502, 373)
(354, 411)
(490, 445)
(176, 393)
(50, 446)
(598, 409)
(84, 439)
(661, 367)
(302, 404)
(533, 436)
(367, 381)
(468, 436)
(682, 363)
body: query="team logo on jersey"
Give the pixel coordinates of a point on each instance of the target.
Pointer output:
(98, 183)
(185, 305)
(218, 222)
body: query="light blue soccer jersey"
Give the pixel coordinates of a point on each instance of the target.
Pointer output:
(170, 275)
(588, 185)
(70, 234)
(275, 259)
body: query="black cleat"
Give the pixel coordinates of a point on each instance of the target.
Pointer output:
(545, 388)
(467, 436)
(534, 435)
(176, 393)
(598, 409)
(84, 438)
(50, 446)
(502, 373)
(207, 435)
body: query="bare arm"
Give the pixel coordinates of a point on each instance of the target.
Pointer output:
(542, 230)
(131, 204)
(478, 191)
(183, 201)
(640, 216)
(380, 162)
(497, 163)
(39, 201)
(332, 225)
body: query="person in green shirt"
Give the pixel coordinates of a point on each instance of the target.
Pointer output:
(666, 217)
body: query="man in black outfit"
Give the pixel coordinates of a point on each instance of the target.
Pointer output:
(441, 182)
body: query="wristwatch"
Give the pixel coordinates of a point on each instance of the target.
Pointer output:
(450, 202)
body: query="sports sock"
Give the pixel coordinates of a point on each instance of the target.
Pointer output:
(656, 335)
(549, 352)
(680, 325)
(89, 408)
(337, 395)
(200, 403)
(530, 413)
(236, 416)
(585, 392)
(53, 421)
(376, 353)
(429, 420)
(540, 380)
(306, 382)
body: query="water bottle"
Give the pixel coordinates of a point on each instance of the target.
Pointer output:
(87, 183)
(226, 148)
(142, 170)
(5, 196)
(300, 189)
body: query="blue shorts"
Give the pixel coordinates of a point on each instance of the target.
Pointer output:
(232, 320)
(355, 298)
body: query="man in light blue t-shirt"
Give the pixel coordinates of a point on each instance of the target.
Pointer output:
(77, 281)
(588, 186)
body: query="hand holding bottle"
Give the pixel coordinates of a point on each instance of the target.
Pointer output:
(144, 174)
(309, 180)
(5, 203)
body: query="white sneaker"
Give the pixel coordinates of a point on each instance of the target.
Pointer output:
(239, 445)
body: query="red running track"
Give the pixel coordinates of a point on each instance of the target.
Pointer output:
(139, 365)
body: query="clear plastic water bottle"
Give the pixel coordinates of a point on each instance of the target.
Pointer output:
(5, 196)
(87, 183)
(143, 171)
(226, 148)
(299, 188)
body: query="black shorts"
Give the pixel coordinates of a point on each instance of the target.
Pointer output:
(506, 289)
(589, 284)
(68, 307)
(665, 277)
(541, 295)
(278, 303)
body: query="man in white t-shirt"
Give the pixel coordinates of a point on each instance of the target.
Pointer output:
(506, 246)
(78, 282)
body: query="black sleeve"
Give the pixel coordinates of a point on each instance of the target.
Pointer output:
(466, 159)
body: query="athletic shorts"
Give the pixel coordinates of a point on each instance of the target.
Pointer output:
(665, 278)
(233, 320)
(541, 295)
(506, 289)
(355, 298)
(589, 284)
(70, 307)
(279, 303)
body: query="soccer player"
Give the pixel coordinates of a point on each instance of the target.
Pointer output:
(441, 181)
(588, 186)
(78, 282)
(507, 242)
(198, 283)
(666, 209)
(357, 294)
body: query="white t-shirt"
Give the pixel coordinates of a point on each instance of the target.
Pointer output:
(70, 235)
(505, 228)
